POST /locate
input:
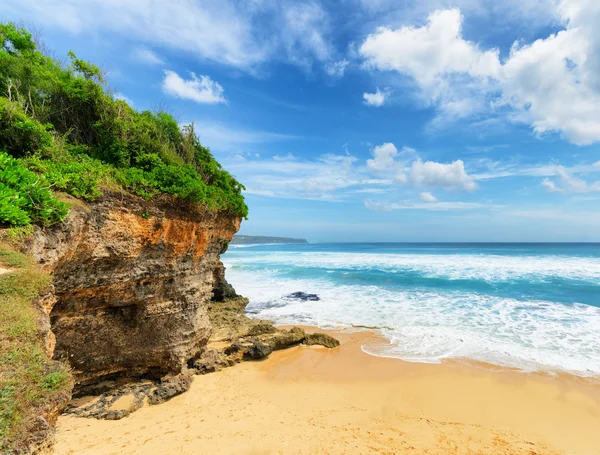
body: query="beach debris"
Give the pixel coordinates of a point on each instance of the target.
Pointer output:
(303, 296)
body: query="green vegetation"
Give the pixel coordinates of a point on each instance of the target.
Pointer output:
(25, 197)
(29, 382)
(60, 123)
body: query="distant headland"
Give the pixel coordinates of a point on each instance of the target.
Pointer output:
(259, 239)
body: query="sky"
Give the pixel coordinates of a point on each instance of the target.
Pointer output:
(368, 120)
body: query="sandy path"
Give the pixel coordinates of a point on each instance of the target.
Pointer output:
(315, 401)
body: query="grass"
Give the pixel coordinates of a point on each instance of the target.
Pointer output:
(30, 383)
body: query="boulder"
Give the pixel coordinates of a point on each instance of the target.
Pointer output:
(321, 339)
(303, 296)
(286, 338)
(169, 388)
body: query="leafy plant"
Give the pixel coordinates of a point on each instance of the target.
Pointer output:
(25, 197)
(62, 123)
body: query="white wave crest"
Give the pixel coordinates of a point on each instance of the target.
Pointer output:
(491, 268)
(428, 326)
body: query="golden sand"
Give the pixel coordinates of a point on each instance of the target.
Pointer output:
(310, 400)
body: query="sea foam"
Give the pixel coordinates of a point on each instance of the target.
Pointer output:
(429, 323)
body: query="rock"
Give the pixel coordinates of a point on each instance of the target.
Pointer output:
(222, 290)
(262, 328)
(258, 350)
(229, 320)
(303, 296)
(114, 404)
(130, 294)
(210, 361)
(322, 339)
(170, 387)
(286, 338)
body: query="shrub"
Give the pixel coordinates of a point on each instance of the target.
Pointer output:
(25, 197)
(61, 122)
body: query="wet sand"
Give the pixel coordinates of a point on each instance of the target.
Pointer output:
(310, 400)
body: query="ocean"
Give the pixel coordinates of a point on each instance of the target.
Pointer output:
(527, 306)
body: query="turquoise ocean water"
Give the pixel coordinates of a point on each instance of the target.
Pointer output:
(529, 306)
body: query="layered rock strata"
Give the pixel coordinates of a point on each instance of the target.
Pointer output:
(131, 283)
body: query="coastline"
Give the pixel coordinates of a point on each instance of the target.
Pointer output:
(314, 400)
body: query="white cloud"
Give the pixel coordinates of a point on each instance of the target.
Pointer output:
(290, 177)
(409, 169)
(199, 89)
(551, 84)
(304, 26)
(566, 182)
(145, 55)
(495, 169)
(242, 34)
(336, 69)
(389, 206)
(384, 158)
(431, 174)
(221, 137)
(531, 12)
(433, 55)
(427, 197)
(375, 99)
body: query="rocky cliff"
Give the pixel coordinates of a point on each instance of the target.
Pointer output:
(131, 284)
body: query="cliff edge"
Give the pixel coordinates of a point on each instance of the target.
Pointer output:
(131, 280)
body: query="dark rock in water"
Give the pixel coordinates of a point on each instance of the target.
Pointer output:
(169, 388)
(303, 296)
(322, 339)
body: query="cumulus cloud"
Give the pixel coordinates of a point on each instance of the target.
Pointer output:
(427, 197)
(383, 157)
(434, 56)
(566, 182)
(431, 174)
(375, 99)
(199, 89)
(551, 84)
(409, 169)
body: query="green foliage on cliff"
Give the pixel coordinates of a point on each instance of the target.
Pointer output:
(60, 121)
(30, 385)
(25, 197)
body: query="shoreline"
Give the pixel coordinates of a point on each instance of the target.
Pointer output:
(314, 400)
(374, 335)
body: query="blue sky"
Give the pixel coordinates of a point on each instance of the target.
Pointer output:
(368, 120)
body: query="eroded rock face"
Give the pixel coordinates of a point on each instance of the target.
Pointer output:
(131, 284)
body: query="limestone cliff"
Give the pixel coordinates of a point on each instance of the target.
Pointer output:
(131, 284)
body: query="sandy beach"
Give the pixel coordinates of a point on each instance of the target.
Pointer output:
(308, 400)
